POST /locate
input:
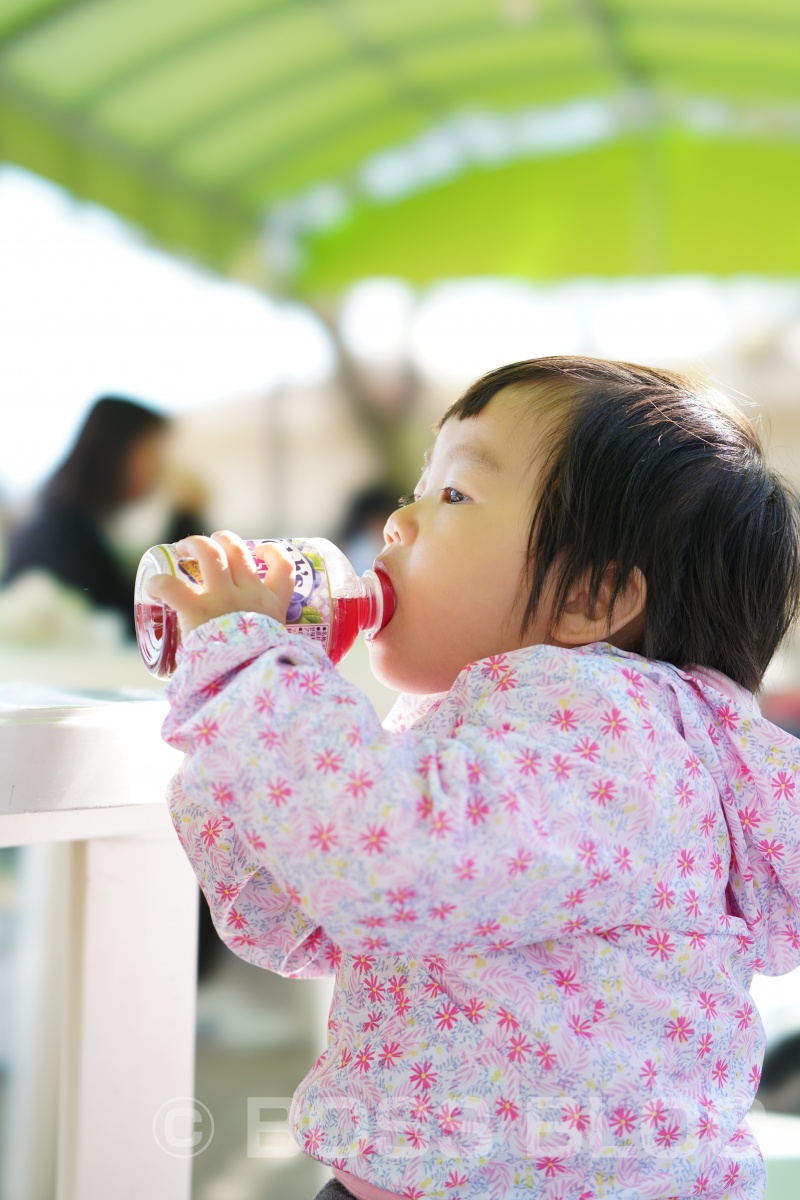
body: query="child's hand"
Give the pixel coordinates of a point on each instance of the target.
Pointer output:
(230, 581)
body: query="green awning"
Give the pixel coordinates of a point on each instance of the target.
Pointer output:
(574, 137)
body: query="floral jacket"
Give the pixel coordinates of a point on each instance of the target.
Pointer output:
(543, 895)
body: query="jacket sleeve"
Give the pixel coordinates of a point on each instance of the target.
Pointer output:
(253, 915)
(312, 828)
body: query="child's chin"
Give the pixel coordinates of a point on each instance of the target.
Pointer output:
(390, 671)
(381, 667)
(399, 674)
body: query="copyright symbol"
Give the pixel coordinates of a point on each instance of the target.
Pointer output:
(183, 1127)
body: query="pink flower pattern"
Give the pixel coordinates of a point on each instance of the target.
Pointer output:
(524, 888)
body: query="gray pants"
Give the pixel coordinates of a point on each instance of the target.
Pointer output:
(334, 1190)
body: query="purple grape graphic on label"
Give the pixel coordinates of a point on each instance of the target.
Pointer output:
(295, 609)
(310, 582)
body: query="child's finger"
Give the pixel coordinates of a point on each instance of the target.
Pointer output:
(241, 563)
(280, 570)
(171, 591)
(210, 558)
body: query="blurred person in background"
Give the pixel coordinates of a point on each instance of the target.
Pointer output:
(361, 533)
(116, 461)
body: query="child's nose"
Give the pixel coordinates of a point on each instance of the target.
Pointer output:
(400, 526)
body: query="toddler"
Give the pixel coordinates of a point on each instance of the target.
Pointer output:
(545, 883)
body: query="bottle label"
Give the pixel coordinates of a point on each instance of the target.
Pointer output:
(310, 610)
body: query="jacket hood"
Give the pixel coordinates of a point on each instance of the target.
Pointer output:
(756, 767)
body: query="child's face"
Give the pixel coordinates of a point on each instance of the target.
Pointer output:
(457, 555)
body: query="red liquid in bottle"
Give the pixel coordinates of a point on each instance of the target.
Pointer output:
(158, 635)
(151, 616)
(346, 613)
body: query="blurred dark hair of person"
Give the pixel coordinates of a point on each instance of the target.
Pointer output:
(360, 535)
(116, 460)
(779, 1087)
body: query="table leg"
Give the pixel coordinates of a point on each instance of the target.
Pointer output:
(128, 1126)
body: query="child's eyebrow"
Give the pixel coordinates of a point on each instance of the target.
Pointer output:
(480, 455)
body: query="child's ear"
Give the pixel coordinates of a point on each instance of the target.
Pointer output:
(581, 623)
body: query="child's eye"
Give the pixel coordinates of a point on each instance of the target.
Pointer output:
(450, 495)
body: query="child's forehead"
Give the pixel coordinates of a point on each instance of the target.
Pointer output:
(497, 438)
(464, 446)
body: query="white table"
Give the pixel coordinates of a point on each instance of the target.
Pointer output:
(106, 1040)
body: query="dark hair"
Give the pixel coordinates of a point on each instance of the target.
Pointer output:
(93, 475)
(649, 469)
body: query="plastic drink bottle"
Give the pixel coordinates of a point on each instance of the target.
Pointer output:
(331, 603)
